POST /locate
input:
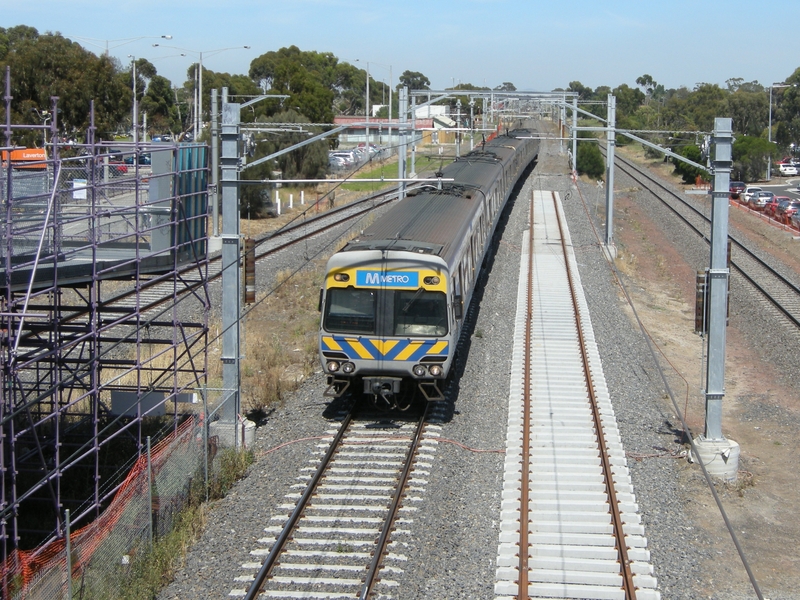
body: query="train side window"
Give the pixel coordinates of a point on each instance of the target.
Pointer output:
(456, 293)
(472, 252)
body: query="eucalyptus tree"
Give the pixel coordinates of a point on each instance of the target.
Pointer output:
(786, 112)
(49, 65)
(414, 80)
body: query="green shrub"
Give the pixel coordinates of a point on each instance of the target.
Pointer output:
(750, 156)
(589, 160)
(687, 172)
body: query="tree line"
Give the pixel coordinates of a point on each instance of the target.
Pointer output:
(682, 117)
(319, 86)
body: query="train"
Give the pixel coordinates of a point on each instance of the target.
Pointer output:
(394, 299)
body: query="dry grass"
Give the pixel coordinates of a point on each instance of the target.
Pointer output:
(157, 567)
(280, 339)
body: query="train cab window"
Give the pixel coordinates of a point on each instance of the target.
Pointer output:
(420, 313)
(350, 311)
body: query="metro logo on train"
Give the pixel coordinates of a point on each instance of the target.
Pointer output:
(389, 279)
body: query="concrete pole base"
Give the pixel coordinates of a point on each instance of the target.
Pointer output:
(610, 250)
(721, 457)
(230, 434)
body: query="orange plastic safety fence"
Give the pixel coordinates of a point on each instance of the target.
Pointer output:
(23, 566)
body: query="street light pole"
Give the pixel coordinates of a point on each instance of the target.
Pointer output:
(199, 105)
(135, 104)
(199, 119)
(769, 135)
(390, 97)
(44, 116)
(123, 41)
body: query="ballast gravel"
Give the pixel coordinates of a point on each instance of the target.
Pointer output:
(454, 535)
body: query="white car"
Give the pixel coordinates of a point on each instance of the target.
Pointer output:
(749, 192)
(788, 170)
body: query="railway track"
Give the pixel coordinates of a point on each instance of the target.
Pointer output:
(779, 290)
(345, 534)
(570, 527)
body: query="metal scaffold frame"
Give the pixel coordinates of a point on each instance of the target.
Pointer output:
(104, 307)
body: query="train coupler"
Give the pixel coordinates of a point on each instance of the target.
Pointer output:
(382, 386)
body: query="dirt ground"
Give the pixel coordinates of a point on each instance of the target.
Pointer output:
(759, 412)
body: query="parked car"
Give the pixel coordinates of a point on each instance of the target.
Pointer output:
(373, 148)
(772, 205)
(794, 220)
(736, 188)
(336, 163)
(117, 168)
(759, 200)
(787, 170)
(144, 159)
(748, 193)
(349, 158)
(785, 212)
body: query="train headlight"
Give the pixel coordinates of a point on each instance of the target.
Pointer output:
(333, 366)
(419, 370)
(436, 370)
(348, 367)
(341, 277)
(431, 280)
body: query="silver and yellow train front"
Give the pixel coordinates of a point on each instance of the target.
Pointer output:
(385, 322)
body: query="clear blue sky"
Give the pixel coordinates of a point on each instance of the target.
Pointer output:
(535, 45)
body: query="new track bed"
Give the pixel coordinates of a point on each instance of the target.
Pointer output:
(570, 526)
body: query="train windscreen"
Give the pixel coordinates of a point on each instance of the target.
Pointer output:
(350, 310)
(420, 313)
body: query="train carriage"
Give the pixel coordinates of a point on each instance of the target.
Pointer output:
(394, 300)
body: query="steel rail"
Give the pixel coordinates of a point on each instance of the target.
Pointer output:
(739, 245)
(388, 525)
(524, 497)
(608, 477)
(280, 542)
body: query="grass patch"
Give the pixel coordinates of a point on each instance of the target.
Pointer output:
(384, 168)
(280, 337)
(150, 570)
(388, 169)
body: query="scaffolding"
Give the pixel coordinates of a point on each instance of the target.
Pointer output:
(104, 306)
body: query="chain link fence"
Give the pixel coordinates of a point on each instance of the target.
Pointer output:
(86, 205)
(102, 556)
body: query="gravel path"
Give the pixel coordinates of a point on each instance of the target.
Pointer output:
(455, 532)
